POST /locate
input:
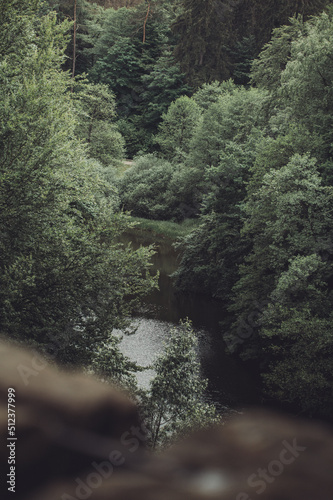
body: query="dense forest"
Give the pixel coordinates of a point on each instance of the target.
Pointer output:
(225, 108)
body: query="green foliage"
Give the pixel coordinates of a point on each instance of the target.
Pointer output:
(133, 55)
(242, 55)
(258, 18)
(111, 365)
(96, 112)
(121, 55)
(305, 8)
(287, 275)
(283, 141)
(309, 74)
(252, 150)
(177, 128)
(301, 372)
(202, 35)
(223, 151)
(296, 327)
(138, 140)
(145, 62)
(211, 254)
(209, 93)
(218, 39)
(144, 188)
(163, 229)
(288, 215)
(163, 85)
(155, 189)
(15, 26)
(231, 119)
(65, 282)
(90, 23)
(296, 68)
(267, 68)
(175, 404)
(242, 160)
(118, 53)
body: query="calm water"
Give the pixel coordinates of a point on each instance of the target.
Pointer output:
(230, 384)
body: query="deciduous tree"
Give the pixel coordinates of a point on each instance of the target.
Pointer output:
(65, 281)
(175, 403)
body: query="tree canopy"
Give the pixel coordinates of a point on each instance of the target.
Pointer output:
(65, 281)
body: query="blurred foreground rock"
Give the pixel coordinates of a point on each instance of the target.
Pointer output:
(80, 439)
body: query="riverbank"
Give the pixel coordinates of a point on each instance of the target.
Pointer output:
(164, 229)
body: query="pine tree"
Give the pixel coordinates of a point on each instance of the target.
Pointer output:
(259, 18)
(203, 31)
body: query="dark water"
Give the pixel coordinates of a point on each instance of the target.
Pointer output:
(230, 383)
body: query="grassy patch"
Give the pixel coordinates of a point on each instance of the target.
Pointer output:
(122, 166)
(165, 228)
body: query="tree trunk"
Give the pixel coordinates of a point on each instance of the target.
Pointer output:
(144, 24)
(74, 40)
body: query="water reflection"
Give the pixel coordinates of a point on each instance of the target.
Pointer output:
(144, 346)
(229, 382)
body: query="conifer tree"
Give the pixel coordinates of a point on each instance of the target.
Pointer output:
(203, 29)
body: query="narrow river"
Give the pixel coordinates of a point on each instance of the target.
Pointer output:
(230, 383)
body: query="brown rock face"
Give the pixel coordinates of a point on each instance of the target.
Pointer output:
(78, 438)
(62, 420)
